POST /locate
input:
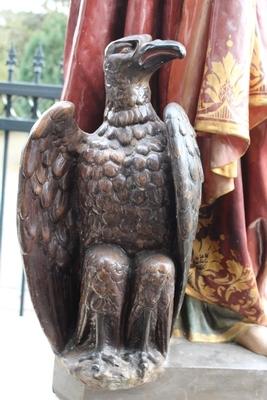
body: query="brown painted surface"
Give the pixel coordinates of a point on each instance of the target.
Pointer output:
(107, 221)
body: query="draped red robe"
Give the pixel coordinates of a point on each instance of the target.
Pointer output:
(222, 84)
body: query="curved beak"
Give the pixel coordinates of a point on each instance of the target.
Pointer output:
(152, 55)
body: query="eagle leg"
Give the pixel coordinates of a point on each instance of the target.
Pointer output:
(151, 309)
(101, 310)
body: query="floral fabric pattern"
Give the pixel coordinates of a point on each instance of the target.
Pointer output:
(223, 96)
(216, 276)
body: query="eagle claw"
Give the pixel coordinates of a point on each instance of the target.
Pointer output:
(99, 359)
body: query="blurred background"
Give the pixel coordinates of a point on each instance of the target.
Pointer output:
(31, 50)
(32, 37)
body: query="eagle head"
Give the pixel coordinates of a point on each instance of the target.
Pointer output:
(138, 56)
(128, 65)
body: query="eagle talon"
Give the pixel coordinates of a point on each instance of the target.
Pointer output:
(153, 358)
(111, 359)
(142, 364)
(99, 358)
(89, 356)
(95, 368)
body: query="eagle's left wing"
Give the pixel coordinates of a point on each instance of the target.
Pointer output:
(188, 177)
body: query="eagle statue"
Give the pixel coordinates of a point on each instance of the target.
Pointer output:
(106, 222)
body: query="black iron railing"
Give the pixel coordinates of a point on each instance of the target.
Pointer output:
(10, 93)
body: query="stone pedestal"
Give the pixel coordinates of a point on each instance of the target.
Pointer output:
(193, 372)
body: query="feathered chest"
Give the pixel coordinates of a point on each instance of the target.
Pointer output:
(125, 189)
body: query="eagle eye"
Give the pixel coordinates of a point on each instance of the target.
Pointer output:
(124, 48)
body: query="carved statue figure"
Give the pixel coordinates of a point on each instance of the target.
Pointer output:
(106, 222)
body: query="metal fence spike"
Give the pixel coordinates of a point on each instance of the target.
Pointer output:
(11, 62)
(38, 63)
(61, 70)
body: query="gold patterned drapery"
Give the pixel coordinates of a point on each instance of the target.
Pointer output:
(229, 265)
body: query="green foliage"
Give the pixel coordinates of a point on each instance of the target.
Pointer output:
(26, 31)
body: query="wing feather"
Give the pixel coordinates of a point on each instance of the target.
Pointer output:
(46, 228)
(188, 177)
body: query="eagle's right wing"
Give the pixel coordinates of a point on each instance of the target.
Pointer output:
(46, 221)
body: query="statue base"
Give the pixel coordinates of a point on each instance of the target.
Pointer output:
(115, 371)
(193, 371)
